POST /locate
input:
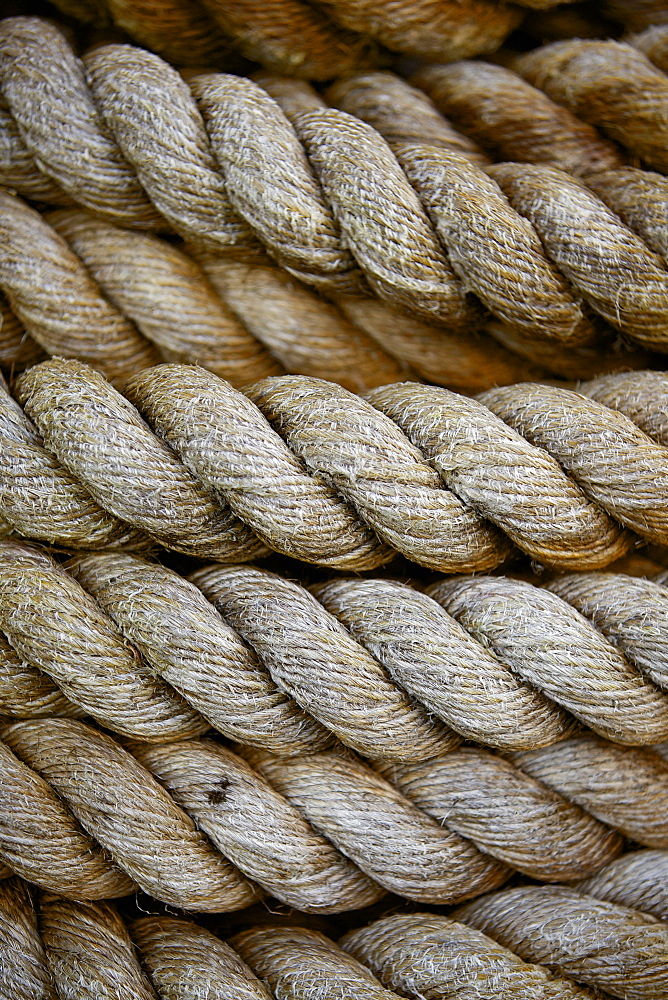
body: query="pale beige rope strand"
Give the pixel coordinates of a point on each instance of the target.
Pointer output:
(89, 951)
(257, 829)
(429, 654)
(609, 84)
(549, 644)
(601, 449)
(638, 879)
(632, 614)
(373, 824)
(125, 809)
(187, 962)
(313, 657)
(57, 301)
(429, 957)
(33, 53)
(42, 841)
(641, 396)
(28, 693)
(300, 964)
(85, 654)
(167, 296)
(401, 499)
(613, 269)
(513, 120)
(185, 641)
(619, 950)
(623, 787)
(18, 170)
(507, 814)
(23, 972)
(640, 199)
(39, 497)
(150, 488)
(488, 465)
(311, 336)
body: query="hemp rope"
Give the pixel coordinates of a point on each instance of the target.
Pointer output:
(347, 661)
(23, 972)
(638, 879)
(592, 941)
(636, 14)
(653, 42)
(323, 833)
(429, 957)
(266, 175)
(17, 349)
(595, 775)
(368, 469)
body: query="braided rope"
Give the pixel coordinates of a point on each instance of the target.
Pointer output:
(353, 211)
(595, 942)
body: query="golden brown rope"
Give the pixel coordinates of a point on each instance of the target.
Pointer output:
(653, 42)
(17, 348)
(609, 84)
(619, 950)
(322, 216)
(23, 970)
(642, 396)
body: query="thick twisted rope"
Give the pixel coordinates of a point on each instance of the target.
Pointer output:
(489, 690)
(370, 464)
(638, 879)
(348, 214)
(23, 973)
(589, 940)
(322, 833)
(427, 956)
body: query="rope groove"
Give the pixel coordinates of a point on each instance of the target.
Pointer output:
(319, 210)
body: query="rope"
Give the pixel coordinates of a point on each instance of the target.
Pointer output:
(245, 179)
(585, 939)
(638, 880)
(323, 833)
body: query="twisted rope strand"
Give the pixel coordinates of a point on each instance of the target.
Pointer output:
(638, 879)
(23, 973)
(642, 396)
(26, 692)
(653, 42)
(624, 788)
(427, 956)
(368, 463)
(380, 217)
(586, 939)
(125, 809)
(17, 348)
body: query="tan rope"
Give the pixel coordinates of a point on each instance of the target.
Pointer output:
(638, 879)
(552, 646)
(640, 199)
(44, 843)
(17, 348)
(186, 962)
(481, 797)
(428, 957)
(23, 971)
(130, 815)
(312, 214)
(368, 463)
(611, 85)
(513, 120)
(653, 42)
(624, 788)
(89, 951)
(57, 301)
(26, 692)
(296, 962)
(586, 939)
(642, 396)
(636, 14)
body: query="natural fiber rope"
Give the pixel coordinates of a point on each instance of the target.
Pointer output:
(369, 194)
(595, 942)
(609, 84)
(355, 687)
(17, 348)
(369, 463)
(428, 957)
(653, 42)
(621, 787)
(26, 692)
(638, 879)
(642, 396)
(23, 971)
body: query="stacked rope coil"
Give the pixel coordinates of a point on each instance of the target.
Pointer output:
(88, 949)
(224, 191)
